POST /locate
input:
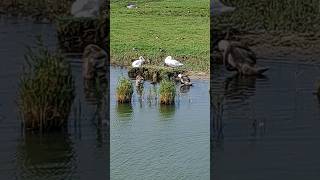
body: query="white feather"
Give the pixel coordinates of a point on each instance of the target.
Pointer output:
(139, 62)
(169, 61)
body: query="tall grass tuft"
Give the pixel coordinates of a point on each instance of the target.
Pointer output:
(46, 90)
(124, 90)
(167, 92)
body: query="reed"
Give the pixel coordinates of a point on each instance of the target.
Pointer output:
(124, 90)
(167, 92)
(46, 90)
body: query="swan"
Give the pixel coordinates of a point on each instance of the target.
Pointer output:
(94, 61)
(85, 8)
(185, 80)
(139, 62)
(169, 61)
(238, 57)
(218, 8)
(139, 81)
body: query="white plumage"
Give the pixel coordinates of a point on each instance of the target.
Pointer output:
(169, 61)
(139, 62)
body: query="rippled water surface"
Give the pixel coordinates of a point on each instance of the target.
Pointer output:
(270, 126)
(79, 153)
(149, 141)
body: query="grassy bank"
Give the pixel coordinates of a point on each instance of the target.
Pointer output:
(37, 9)
(157, 29)
(273, 15)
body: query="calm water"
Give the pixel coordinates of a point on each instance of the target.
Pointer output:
(149, 141)
(80, 153)
(270, 127)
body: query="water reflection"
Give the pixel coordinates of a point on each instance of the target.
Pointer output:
(124, 111)
(167, 111)
(184, 89)
(241, 87)
(47, 154)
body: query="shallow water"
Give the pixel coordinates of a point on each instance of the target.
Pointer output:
(270, 125)
(81, 152)
(149, 141)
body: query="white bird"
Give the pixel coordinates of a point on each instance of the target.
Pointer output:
(139, 62)
(131, 6)
(218, 8)
(169, 61)
(85, 8)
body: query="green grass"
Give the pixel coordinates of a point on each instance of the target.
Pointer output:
(124, 90)
(46, 90)
(167, 92)
(272, 15)
(158, 28)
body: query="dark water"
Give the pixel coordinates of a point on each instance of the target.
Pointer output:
(79, 153)
(270, 126)
(149, 141)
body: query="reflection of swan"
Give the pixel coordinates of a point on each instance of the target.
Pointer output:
(238, 57)
(169, 61)
(185, 80)
(139, 62)
(217, 7)
(85, 8)
(184, 89)
(240, 87)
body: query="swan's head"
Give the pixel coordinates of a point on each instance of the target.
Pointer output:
(180, 75)
(223, 45)
(141, 58)
(168, 58)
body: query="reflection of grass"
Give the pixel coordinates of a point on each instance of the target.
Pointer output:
(46, 90)
(124, 111)
(160, 28)
(167, 111)
(124, 90)
(167, 92)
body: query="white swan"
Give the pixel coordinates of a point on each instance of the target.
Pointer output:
(169, 61)
(85, 8)
(139, 62)
(218, 8)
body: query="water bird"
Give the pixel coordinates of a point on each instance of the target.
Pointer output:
(138, 62)
(94, 61)
(169, 61)
(139, 81)
(240, 58)
(185, 80)
(85, 8)
(218, 8)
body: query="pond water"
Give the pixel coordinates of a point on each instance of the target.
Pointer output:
(269, 126)
(149, 141)
(80, 153)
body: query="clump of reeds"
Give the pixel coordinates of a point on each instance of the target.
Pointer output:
(124, 90)
(167, 92)
(46, 90)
